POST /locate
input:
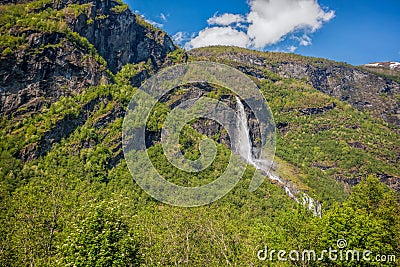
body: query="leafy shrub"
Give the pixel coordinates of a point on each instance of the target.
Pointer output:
(102, 238)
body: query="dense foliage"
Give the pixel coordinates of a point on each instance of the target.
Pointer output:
(78, 204)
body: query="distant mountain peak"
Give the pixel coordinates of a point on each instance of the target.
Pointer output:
(392, 65)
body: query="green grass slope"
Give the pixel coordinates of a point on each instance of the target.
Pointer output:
(67, 197)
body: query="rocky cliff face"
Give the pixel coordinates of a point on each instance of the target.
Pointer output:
(59, 62)
(121, 37)
(89, 43)
(362, 89)
(50, 66)
(365, 91)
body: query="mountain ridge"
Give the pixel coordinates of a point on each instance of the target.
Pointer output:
(67, 198)
(66, 26)
(363, 89)
(392, 65)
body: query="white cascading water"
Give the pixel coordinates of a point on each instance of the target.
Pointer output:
(243, 147)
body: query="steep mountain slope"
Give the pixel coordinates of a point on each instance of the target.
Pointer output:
(364, 90)
(309, 121)
(52, 49)
(395, 66)
(387, 69)
(68, 70)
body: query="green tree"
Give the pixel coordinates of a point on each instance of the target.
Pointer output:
(368, 220)
(101, 238)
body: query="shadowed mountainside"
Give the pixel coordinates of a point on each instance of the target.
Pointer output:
(68, 70)
(378, 95)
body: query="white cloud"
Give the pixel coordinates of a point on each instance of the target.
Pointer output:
(304, 40)
(219, 36)
(291, 49)
(178, 37)
(163, 17)
(287, 49)
(181, 37)
(154, 23)
(268, 22)
(225, 19)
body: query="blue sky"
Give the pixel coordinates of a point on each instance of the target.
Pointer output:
(351, 31)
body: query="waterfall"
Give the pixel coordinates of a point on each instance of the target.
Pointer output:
(243, 146)
(312, 205)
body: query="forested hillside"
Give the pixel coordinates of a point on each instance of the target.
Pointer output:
(68, 70)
